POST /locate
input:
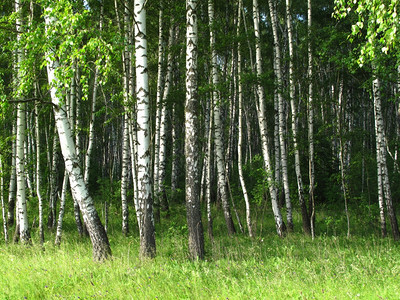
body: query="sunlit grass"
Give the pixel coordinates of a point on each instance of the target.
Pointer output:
(330, 267)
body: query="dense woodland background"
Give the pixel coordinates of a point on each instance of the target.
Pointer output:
(295, 105)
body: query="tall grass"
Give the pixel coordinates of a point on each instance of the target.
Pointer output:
(267, 267)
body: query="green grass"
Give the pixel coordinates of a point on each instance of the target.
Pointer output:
(330, 267)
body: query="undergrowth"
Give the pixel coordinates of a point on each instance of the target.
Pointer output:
(266, 267)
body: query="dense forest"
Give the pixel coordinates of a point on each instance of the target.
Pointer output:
(127, 111)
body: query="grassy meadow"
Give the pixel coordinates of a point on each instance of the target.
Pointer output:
(267, 267)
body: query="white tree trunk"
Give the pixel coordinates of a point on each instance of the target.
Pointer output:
(98, 236)
(147, 238)
(342, 167)
(39, 176)
(159, 107)
(126, 55)
(91, 128)
(162, 161)
(193, 213)
(294, 121)
(240, 139)
(62, 209)
(3, 208)
(262, 122)
(381, 156)
(281, 113)
(310, 111)
(12, 185)
(219, 147)
(20, 143)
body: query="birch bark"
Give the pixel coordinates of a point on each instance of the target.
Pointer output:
(3, 208)
(219, 147)
(125, 135)
(193, 213)
(262, 122)
(20, 143)
(147, 238)
(162, 161)
(158, 112)
(12, 185)
(240, 117)
(381, 156)
(98, 236)
(294, 122)
(281, 114)
(310, 111)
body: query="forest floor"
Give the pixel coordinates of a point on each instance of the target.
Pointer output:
(332, 266)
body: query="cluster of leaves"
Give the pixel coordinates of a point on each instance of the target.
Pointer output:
(378, 23)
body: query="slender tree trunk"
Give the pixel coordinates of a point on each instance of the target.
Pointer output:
(240, 139)
(73, 116)
(39, 176)
(381, 157)
(175, 150)
(159, 107)
(341, 155)
(195, 226)
(91, 128)
(133, 149)
(98, 236)
(310, 124)
(281, 114)
(262, 122)
(53, 182)
(125, 134)
(3, 208)
(147, 238)
(62, 209)
(24, 233)
(219, 148)
(163, 126)
(12, 185)
(294, 120)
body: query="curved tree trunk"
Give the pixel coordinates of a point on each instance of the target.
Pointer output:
(98, 236)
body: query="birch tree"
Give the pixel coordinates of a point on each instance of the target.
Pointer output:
(195, 226)
(240, 125)
(262, 122)
(383, 176)
(23, 224)
(162, 161)
(98, 236)
(145, 198)
(281, 112)
(158, 111)
(3, 207)
(294, 122)
(12, 184)
(310, 121)
(219, 147)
